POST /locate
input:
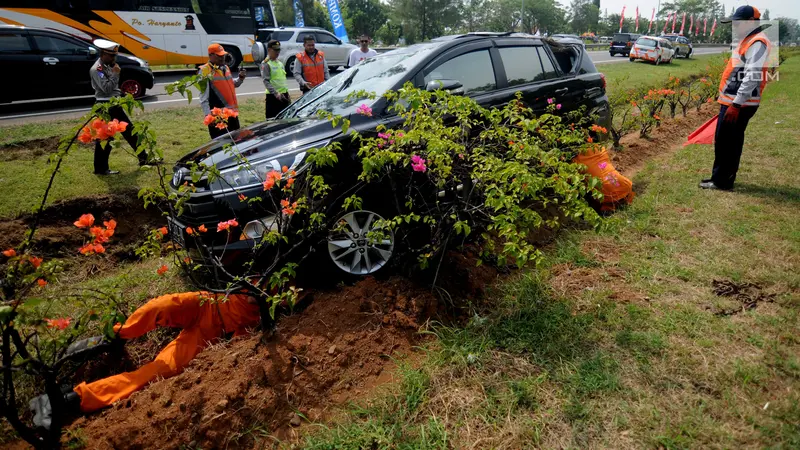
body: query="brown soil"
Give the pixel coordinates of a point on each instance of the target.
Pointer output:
(28, 149)
(58, 237)
(342, 346)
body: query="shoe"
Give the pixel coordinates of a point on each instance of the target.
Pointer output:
(706, 180)
(108, 172)
(710, 185)
(43, 411)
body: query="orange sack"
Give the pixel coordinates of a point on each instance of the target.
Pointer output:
(616, 188)
(203, 321)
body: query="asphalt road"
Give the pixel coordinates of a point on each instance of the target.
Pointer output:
(51, 109)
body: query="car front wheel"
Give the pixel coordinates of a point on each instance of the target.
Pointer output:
(132, 86)
(359, 245)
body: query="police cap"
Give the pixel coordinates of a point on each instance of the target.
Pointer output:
(107, 46)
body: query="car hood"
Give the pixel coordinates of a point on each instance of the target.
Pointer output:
(281, 139)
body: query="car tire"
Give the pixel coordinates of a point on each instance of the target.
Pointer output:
(290, 66)
(631, 59)
(612, 54)
(689, 55)
(132, 86)
(350, 253)
(237, 57)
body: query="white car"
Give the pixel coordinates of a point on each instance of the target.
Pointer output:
(654, 49)
(336, 52)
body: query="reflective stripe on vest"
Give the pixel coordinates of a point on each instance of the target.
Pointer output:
(277, 76)
(313, 70)
(732, 75)
(221, 81)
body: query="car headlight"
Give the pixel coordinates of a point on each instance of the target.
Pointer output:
(243, 177)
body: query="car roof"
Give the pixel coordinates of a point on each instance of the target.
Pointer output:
(292, 29)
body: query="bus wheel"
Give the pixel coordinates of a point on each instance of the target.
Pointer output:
(237, 57)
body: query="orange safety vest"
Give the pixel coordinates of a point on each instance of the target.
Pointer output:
(221, 82)
(313, 69)
(732, 76)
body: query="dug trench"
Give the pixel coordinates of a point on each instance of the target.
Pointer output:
(338, 346)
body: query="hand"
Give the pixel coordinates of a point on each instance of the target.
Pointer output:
(731, 115)
(287, 97)
(278, 96)
(116, 69)
(242, 73)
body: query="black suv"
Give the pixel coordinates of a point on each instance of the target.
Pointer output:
(490, 68)
(622, 43)
(54, 64)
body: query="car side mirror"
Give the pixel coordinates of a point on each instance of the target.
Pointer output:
(92, 51)
(452, 86)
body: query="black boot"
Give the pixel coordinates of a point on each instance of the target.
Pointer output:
(43, 411)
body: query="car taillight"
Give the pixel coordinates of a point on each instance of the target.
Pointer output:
(603, 77)
(629, 44)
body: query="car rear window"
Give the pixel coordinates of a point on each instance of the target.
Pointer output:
(622, 37)
(644, 42)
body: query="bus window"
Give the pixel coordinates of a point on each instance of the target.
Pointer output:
(225, 6)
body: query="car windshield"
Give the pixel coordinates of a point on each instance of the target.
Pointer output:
(646, 42)
(375, 75)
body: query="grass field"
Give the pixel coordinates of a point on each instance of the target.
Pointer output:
(618, 342)
(647, 74)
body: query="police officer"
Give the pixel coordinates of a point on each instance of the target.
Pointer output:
(274, 76)
(310, 67)
(221, 89)
(104, 76)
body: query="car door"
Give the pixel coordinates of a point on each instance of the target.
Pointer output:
(332, 47)
(19, 59)
(473, 66)
(526, 67)
(65, 64)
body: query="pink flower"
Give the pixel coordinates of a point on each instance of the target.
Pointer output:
(418, 164)
(558, 106)
(399, 134)
(383, 136)
(364, 110)
(550, 101)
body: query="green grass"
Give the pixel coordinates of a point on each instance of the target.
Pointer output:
(647, 74)
(555, 365)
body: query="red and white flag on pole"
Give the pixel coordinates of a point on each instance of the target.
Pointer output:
(691, 24)
(705, 24)
(621, 19)
(697, 28)
(637, 18)
(713, 27)
(683, 23)
(674, 20)
(652, 16)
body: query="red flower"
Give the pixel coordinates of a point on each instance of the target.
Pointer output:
(209, 120)
(163, 231)
(85, 221)
(99, 248)
(162, 270)
(85, 136)
(221, 125)
(242, 197)
(60, 324)
(222, 226)
(10, 253)
(284, 169)
(289, 182)
(233, 223)
(288, 209)
(187, 260)
(202, 228)
(227, 112)
(41, 282)
(111, 224)
(36, 262)
(189, 231)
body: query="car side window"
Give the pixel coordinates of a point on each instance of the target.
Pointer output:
(325, 38)
(522, 65)
(282, 36)
(55, 46)
(302, 35)
(14, 43)
(473, 70)
(549, 69)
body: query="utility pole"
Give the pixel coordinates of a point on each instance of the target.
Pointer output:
(522, 17)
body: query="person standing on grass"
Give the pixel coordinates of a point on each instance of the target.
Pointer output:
(221, 89)
(362, 53)
(274, 76)
(740, 92)
(104, 76)
(310, 67)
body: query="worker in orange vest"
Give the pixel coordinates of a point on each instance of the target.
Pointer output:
(221, 89)
(310, 67)
(740, 92)
(203, 318)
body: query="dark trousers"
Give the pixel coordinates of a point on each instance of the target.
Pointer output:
(101, 154)
(273, 106)
(729, 141)
(233, 124)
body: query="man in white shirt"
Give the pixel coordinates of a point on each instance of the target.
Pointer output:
(360, 54)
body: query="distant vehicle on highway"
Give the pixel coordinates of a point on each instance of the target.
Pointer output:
(681, 44)
(654, 49)
(572, 38)
(158, 31)
(490, 68)
(622, 43)
(48, 64)
(337, 53)
(605, 39)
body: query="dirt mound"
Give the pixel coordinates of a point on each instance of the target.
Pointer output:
(337, 350)
(28, 149)
(57, 237)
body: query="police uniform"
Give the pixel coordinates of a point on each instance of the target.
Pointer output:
(274, 76)
(220, 91)
(106, 86)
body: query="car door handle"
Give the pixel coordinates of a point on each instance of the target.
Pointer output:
(183, 46)
(50, 61)
(562, 91)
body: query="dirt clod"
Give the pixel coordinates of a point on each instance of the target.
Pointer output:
(295, 421)
(746, 295)
(332, 350)
(220, 406)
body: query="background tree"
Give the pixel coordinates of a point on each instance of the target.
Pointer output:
(314, 14)
(426, 19)
(765, 16)
(585, 15)
(363, 17)
(788, 29)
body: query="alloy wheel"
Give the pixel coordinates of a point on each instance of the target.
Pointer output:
(359, 245)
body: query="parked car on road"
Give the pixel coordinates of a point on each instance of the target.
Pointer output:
(490, 69)
(42, 63)
(654, 49)
(622, 43)
(337, 53)
(681, 44)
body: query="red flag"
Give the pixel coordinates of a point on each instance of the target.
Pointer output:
(674, 20)
(637, 18)
(691, 24)
(683, 22)
(705, 23)
(665, 24)
(652, 16)
(621, 19)
(713, 27)
(697, 28)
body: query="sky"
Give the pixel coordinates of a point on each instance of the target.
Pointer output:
(777, 8)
